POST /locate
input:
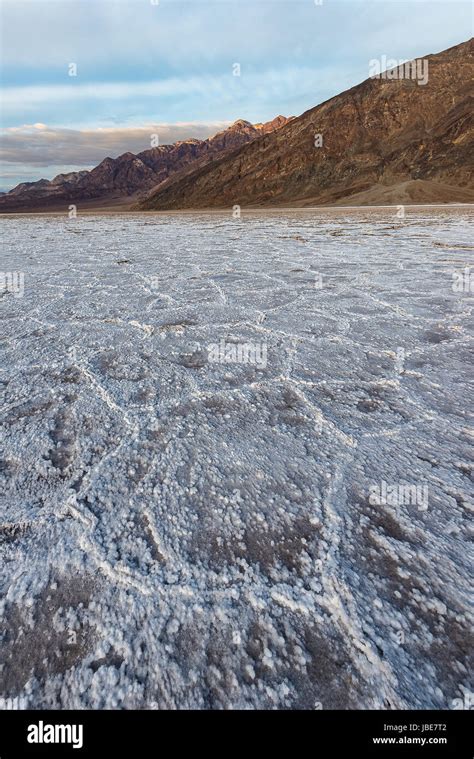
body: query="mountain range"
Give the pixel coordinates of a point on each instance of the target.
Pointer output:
(385, 141)
(121, 181)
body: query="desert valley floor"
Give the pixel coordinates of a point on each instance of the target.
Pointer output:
(189, 529)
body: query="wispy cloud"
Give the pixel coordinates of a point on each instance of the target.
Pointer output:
(74, 90)
(270, 83)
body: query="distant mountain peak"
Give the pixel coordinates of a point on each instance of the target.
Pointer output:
(241, 123)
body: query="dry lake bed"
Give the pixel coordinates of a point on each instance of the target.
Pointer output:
(236, 460)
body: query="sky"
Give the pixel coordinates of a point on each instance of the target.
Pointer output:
(83, 79)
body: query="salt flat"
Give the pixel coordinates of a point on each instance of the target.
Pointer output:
(280, 523)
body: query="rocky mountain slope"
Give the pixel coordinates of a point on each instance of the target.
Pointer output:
(380, 134)
(117, 180)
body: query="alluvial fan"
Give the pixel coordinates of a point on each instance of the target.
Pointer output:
(236, 469)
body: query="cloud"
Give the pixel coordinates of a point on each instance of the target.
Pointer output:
(204, 86)
(96, 33)
(255, 89)
(75, 90)
(137, 62)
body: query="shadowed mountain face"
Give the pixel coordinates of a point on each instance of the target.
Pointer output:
(382, 133)
(117, 180)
